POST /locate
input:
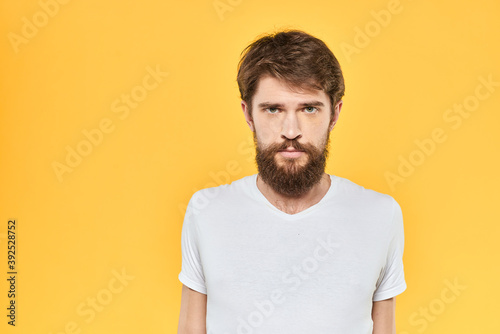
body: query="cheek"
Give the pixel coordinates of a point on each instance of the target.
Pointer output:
(267, 132)
(317, 135)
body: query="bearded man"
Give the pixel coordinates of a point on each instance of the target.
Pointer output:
(291, 249)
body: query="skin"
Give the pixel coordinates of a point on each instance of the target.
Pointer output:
(384, 316)
(192, 317)
(293, 120)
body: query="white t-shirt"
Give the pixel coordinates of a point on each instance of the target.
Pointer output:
(317, 271)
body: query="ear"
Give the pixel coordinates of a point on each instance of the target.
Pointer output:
(336, 115)
(248, 117)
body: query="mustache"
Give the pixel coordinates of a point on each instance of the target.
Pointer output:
(290, 143)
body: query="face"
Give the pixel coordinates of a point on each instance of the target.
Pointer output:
(291, 129)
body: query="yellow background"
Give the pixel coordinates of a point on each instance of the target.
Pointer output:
(121, 207)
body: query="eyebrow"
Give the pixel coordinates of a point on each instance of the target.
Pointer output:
(281, 105)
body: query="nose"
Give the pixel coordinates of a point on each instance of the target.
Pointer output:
(290, 127)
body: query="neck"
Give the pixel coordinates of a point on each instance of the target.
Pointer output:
(293, 205)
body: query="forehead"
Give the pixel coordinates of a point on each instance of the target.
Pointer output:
(271, 89)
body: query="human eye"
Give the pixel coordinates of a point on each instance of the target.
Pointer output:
(309, 111)
(272, 110)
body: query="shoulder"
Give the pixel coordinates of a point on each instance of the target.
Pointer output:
(354, 194)
(213, 197)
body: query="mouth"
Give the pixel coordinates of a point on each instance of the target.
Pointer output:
(293, 153)
(290, 149)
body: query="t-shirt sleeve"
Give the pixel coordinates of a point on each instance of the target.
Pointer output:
(191, 274)
(392, 280)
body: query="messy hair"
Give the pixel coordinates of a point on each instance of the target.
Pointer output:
(296, 58)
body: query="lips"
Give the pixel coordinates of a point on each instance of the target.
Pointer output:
(291, 153)
(290, 150)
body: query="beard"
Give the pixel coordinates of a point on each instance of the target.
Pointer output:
(291, 177)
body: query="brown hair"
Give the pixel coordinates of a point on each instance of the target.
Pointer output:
(297, 58)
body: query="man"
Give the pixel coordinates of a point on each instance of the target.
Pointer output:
(291, 249)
